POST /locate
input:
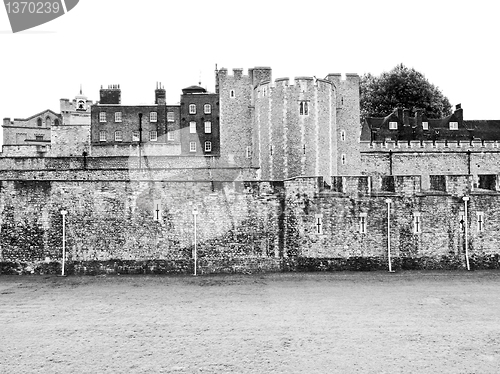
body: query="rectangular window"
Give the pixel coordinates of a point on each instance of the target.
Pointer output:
(192, 109)
(207, 109)
(342, 159)
(318, 224)
(192, 146)
(153, 117)
(118, 136)
(393, 125)
(208, 146)
(192, 127)
(417, 226)
(135, 136)
(362, 223)
(170, 135)
(232, 94)
(453, 125)
(249, 152)
(102, 136)
(38, 137)
(208, 127)
(118, 116)
(342, 135)
(425, 125)
(480, 221)
(170, 117)
(102, 117)
(153, 136)
(303, 108)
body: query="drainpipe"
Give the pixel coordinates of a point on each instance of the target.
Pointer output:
(390, 162)
(140, 139)
(468, 161)
(389, 201)
(63, 213)
(466, 224)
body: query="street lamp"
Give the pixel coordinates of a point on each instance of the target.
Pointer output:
(466, 221)
(389, 201)
(195, 213)
(63, 213)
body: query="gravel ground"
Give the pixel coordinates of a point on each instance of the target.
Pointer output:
(374, 322)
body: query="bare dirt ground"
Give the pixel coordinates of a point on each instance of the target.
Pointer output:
(408, 322)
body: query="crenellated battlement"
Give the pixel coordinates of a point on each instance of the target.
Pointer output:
(304, 83)
(428, 145)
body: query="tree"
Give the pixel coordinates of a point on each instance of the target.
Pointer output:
(401, 87)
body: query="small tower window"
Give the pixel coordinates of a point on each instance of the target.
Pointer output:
(192, 146)
(232, 94)
(342, 158)
(118, 136)
(208, 127)
(192, 127)
(303, 108)
(249, 152)
(207, 109)
(102, 136)
(417, 225)
(208, 146)
(342, 135)
(39, 122)
(318, 224)
(153, 117)
(81, 105)
(192, 108)
(480, 221)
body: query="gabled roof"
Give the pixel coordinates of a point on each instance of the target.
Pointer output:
(38, 115)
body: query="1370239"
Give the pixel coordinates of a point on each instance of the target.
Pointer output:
(32, 7)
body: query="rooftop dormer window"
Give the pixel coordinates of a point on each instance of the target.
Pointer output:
(393, 125)
(453, 125)
(425, 125)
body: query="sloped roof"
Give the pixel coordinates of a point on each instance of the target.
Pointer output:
(193, 89)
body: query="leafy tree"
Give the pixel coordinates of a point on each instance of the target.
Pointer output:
(401, 87)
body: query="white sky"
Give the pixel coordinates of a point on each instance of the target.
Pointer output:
(137, 43)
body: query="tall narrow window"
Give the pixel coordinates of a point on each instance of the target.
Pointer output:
(342, 158)
(192, 146)
(342, 135)
(480, 221)
(425, 125)
(102, 117)
(303, 108)
(192, 108)
(170, 117)
(118, 116)
(153, 117)
(48, 122)
(135, 136)
(153, 136)
(118, 136)
(249, 151)
(102, 136)
(232, 94)
(192, 127)
(208, 146)
(318, 224)
(362, 223)
(417, 226)
(207, 109)
(208, 127)
(170, 135)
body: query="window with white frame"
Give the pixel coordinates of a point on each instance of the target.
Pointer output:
(170, 117)
(192, 108)
(208, 146)
(417, 225)
(170, 135)
(207, 109)
(102, 116)
(362, 223)
(118, 116)
(393, 125)
(303, 108)
(342, 135)
(135, 136)
(208, 127)
(192, 146)
(153, 136)
(102, 136)
(192, 127)
(480, 221)
(118, 136)
(425, 125)
(232, 94)
(153, 117)
(453, 125)
(318, 223)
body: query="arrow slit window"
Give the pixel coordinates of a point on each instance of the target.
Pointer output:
(362, 223)
(318, 225)
(480, 221)
(417, 224)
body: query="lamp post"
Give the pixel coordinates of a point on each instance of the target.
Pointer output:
(466, 224)
(389, 201)
(195, 213)
(63, 213)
